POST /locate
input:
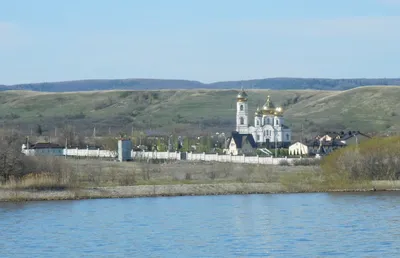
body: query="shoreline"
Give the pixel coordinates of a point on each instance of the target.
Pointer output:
(137, 191)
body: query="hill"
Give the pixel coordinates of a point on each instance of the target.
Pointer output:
(368, 109)
(154, 84)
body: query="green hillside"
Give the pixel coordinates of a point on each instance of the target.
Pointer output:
(368, 109)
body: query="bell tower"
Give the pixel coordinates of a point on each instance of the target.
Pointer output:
(242, 113)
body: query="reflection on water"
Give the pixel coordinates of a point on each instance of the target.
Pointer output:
(282, 225)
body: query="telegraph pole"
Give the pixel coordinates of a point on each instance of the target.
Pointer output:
(276, 150)
(301, 139)
(66, 147)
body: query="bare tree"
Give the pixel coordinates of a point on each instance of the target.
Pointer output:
(11, 158)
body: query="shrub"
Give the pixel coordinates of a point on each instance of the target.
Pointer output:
(13, 163)
(125, 94)
(375, 159)
(306, 162)
(284, 162)
(80, 115)
(41, 173)
(212, 175)
(32, 171)
(188, 176)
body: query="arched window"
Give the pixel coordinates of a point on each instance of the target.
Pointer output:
(241, 107)
(242, 121)
(257, 122)
(287, 137)
(267, 121)
(276, 121)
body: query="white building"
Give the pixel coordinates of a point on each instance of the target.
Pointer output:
(239, 144)
(268, 129)
(42, 149)
(298, 148)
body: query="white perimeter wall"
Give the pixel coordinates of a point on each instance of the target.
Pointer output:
(169, 156)
(212, 157)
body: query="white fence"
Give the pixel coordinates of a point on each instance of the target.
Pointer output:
(236, 159)
(156, 155)
(71, 152)
(161, 155)
(212, 157)
(90, 153)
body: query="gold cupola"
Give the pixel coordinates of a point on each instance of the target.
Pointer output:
(258, 112)
(268, 108)
(278, 111)
(242, 96)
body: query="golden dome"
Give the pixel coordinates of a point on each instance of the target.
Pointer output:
(242, 96)
(278, 111)
(268, 108)
(258, 112)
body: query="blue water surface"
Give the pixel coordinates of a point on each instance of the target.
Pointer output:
(275, 225)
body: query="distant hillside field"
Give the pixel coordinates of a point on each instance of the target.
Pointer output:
(155, 84)
(368, 109)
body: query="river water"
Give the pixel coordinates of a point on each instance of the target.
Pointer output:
(276, 225)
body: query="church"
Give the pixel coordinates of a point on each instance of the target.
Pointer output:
(269, 130)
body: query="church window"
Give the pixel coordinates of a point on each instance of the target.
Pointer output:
(257, 122)
(287, 137)
(241, 107)
(258, 137)
(241, 120)
(277, 122)
(267, 120)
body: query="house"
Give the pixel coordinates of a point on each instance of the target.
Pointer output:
(323, 147)
(239, 144)
(330, 141)
(354, 137)
(298, 148)
(42, 149)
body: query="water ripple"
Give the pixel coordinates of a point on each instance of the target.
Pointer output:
(285, 225)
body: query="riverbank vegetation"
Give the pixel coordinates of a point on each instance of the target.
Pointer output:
(373, 164)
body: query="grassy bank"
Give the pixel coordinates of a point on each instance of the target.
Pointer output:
(85, 173)
(106, 179)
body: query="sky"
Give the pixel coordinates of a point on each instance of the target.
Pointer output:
(204, 40)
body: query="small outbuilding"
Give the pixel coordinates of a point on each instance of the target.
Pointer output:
(42, 149)
(124, 150)
(239, 144)
(298, 148)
